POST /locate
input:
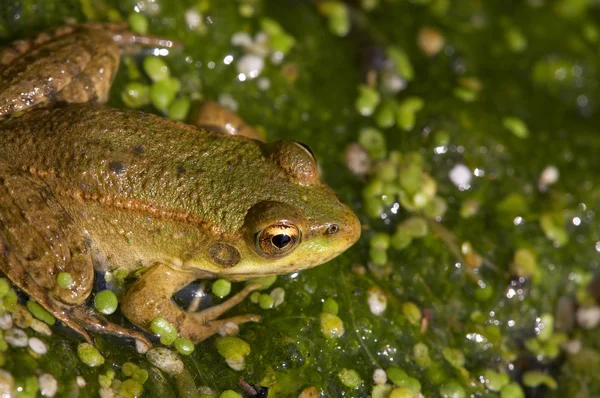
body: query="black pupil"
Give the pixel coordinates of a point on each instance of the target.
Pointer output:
(306, 147)
(281, 240)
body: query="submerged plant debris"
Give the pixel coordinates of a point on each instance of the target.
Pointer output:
(464, 134)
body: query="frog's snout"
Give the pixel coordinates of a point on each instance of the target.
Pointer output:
(346, 230)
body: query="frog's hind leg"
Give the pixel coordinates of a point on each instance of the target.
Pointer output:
(214, 117)
(72, 64)
(34, 248)
(37, 242)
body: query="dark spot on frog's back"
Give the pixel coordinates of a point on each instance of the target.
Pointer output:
(116, 167)
(138, 150)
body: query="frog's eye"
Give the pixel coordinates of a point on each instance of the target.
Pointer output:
(277, 240)
(306, 148)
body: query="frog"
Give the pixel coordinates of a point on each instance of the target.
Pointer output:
(86, 189)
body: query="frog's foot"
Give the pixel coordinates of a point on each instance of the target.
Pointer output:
(150, 297)
(97, 323)
(213, 117)
(72, 63)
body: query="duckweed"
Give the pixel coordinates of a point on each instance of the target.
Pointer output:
(89, 355)
(525, 264)
(135, 95)
(265, 301)
(221, 287)
(64, 280)
(385, 115)
(131, 388)
(415, 227)
(229, 394)
(534, 378)
(164, 329)
(421, 354)
(106, 302)
(4, 287)
(402, 392)
(350, 378)
(367, 100)
(183, 346)
(138, 23)
(412, 313)
(406, 112)
(232, 348)
(40, 313)
(381, 391)
(512, 390)
(179, 109)
(374, 142)
(516, 126)
(156, 68)
(452, 389)
(495, 381)
(401, 62)
(162, 94)
(331, 325)
(330, 306)
(265, 281)
(10, 300)
(338, 15)
(455, 357)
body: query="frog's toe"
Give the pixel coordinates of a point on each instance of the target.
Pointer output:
(97, 323)
(197, 329)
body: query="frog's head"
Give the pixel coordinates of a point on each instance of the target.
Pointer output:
(298, 223)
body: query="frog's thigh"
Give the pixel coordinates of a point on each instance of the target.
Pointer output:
(212, 116)
(38, 241)
(151, 297)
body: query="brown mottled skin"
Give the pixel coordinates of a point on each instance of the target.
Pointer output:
(84, 187)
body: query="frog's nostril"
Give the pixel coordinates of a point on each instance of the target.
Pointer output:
(332, 229)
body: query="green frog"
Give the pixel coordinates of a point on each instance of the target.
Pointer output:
(84, 188)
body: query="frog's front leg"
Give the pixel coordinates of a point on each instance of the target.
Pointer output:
(151, 297)
(214, 117)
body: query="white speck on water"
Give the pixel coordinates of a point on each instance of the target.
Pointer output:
(548, 177)
(38, 346)
(377, 301)
(379, 376)
(250, 65)
(227, 101)
(236, 364)
(80, 381)
(241, 39)
(6, 321)
(278, 296)
(263, 83)
(229, 329)
(588, 317)
(193, 18)
(16, 337)
(141, 347)
(461, 176)
(165, 360)
(48, 385)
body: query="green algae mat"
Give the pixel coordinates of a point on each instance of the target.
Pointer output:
(463, 133)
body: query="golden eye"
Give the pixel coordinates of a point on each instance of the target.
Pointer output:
(277, 240)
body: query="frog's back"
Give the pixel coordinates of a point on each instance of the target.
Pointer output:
(131, 159)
